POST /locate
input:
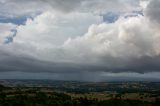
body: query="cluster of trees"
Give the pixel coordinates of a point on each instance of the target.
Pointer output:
(60, 99)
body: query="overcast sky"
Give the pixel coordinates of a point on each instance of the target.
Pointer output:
(90, 40)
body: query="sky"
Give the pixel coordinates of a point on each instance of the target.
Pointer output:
(88, 40)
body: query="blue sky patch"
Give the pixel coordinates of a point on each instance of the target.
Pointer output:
(9, 39)
(110, 17)
(15, 20)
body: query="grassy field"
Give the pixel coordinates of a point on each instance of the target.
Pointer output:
(126, 96)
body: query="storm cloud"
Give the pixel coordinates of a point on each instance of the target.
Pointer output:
(72, 37)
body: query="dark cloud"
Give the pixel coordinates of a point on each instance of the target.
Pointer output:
(29, 67)
(64, 5)
(9, 62)
(153, 11)
(21, 8)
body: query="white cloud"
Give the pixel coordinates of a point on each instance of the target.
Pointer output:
(116, 44)
(115, 39)
(54, 29)
(48, 31)
(144, 3)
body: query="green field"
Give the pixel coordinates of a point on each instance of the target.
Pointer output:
(62, 93)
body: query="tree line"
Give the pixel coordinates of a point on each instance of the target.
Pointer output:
(61, 99)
